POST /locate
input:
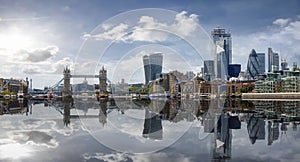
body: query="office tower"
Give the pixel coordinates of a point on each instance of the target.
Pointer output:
(209, 69)
(252, 65)
(222, 39)
(261, 62)
(190, 75)
(284, 65)
(152, 66)
(273, 60)
(234, 70)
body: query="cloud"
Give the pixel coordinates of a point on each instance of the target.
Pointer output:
(281, 22)
(160, 156)
(293, 29)
(115, 33)
(38, 54)
(32, 69)
(282, 35)
(149, 29)
(59, 65)
(56, 67)
(35, 138)
(66, 8)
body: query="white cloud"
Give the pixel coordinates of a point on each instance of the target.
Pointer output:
(149, 29)
(31, 69)
(281, 22)
(59, 65)
(115, 33)
(160, 156)
(38, 54)
(284, 39)
(294, 29)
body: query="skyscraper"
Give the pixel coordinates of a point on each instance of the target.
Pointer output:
(252, 65)
(261, 63)
(234, 70)
(209, 69)
(284, 65)
(152, 66)
(222, 39)
(273, 60)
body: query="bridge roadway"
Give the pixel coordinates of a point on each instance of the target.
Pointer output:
(84, 116)
(85, 76)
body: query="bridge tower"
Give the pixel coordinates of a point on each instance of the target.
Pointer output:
(102, 81)
(67, 85)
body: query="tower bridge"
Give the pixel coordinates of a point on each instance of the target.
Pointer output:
(67, 92)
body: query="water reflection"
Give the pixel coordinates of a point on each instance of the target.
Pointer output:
(163, 122)
(20, 106)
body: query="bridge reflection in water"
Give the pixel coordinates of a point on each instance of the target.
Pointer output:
(265, 120)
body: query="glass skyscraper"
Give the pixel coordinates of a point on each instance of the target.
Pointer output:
(152, 66)
(252, 65)
(222, 39)
(209, 69)
(261, 62)
(273, 60)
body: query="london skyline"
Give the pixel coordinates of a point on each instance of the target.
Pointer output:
(38, 39)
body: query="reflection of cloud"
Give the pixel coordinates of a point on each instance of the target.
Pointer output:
(137, 157)
(148, 29)
(14, 151)
(34, 138)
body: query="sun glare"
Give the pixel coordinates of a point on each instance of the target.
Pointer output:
(15, 41)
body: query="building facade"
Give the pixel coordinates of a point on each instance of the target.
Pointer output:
(209, 70)
(222, 39)
(273, 60)
(252, 65)
(261, 62)
(152, 66)
(234, 70)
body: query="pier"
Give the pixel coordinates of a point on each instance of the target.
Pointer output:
(250, 96)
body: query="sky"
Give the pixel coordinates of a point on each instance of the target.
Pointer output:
(39, 38)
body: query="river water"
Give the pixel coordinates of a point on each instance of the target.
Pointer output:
(149, 130)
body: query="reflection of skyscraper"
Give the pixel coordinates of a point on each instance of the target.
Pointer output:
(253, 65)
(256, 129)
(223, 138)
(222, 39)
(273, 60)
(273, 132)
(152, 126)
(152, 66)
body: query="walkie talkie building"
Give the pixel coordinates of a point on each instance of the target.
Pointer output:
(152, 66)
